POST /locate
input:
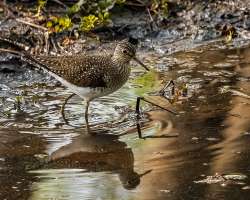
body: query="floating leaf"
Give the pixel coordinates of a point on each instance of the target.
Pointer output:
(148, 82)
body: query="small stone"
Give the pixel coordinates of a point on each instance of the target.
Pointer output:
(212, 139)
(246, 133)
(211, 179)
(165, 191)
(40, 156)
(235, 177)
(158, 153)
(223, 184)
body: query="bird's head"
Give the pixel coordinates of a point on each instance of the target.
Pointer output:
(126, 51)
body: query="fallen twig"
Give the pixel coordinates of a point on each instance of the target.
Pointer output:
(142, 98)
(61, 3)
(32, 24)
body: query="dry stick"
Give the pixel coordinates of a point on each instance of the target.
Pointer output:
(10, 51)
(150, 16)
(152, 22)
(134, 4)
(61, 3)
(15, 43)
(46, 35)
(6, 8)
(142, 98)
(46, 40)
(32, 24)
(141, 2)
(52, 41)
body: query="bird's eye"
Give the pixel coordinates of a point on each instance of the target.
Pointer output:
(124, 51)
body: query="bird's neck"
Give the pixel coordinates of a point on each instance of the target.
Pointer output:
(120, 62)
(122, 66)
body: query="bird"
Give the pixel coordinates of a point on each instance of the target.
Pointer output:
(89, 75)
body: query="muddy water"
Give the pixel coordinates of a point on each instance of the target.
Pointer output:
(202, 153)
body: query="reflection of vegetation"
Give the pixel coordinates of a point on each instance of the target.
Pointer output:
(18, 102)
(148, 82)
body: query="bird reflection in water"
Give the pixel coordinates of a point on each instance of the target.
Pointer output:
(103, 152)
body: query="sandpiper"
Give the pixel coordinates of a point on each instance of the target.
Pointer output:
(90, 76)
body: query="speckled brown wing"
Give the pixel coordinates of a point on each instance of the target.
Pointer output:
(80, 70)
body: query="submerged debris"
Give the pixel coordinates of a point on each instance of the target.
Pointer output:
(226, 89)
(224, 179)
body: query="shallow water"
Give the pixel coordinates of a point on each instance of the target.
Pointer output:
(202, 153)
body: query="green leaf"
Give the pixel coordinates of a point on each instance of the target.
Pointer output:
(88, 23)
(49, 24)
(120, 1)
(106, 15)
(57, 28)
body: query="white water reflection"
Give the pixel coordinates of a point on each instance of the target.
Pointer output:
(72, 184)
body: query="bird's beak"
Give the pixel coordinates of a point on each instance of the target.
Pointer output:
(138, 61)
(145, 173)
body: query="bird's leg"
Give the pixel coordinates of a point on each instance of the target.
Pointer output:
(137, 108)
(63, 107)
(86, 116)
(138, 126)
(142, 98)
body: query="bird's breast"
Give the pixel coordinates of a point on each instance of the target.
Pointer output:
(119, 78)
